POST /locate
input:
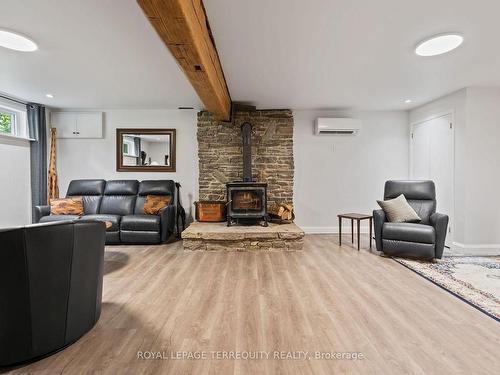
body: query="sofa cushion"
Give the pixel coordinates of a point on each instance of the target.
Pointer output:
(113, 219)
(66, 206)
(121, 187)
(91, 192)
(86, 187)
(424, 209)
(117, 204)
(409, 232)
(50, 218)
(153, 187)
(154, 203)
(140, 223)
(398, 210)
(91, 204)
(157, 187)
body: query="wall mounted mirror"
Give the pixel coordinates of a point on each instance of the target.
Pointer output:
(145, 150)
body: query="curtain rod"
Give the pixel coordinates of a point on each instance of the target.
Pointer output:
(13, 100)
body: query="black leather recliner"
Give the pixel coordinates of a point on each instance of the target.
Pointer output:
(121, 202)
(50, 287)
(423, 240)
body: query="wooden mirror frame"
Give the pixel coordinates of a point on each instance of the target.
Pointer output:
(144, 168)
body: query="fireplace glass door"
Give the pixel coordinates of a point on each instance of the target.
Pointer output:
(247, 200)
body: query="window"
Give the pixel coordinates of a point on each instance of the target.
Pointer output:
(13, 121)
(129, 147)
(7, 122)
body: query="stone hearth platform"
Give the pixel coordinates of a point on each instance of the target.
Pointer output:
(218, 236)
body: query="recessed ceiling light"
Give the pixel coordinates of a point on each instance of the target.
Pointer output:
(439, 44)
(49, 96)
(407, 101)
(17, 42)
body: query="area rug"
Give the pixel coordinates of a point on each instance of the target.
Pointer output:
(476, 280)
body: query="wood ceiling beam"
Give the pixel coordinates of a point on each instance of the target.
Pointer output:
(183, 27)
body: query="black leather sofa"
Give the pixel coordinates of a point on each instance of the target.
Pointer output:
(424, 240)
(121, 202)
(50, 287)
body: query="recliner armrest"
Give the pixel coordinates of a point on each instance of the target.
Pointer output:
(378, 222)
(41, 211)
(167, 221)
(440, 224)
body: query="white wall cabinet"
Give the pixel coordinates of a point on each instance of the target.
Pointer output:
(77, 124)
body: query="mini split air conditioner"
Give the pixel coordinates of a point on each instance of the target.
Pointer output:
(337, 126)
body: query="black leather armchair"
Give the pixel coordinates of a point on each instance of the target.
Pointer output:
(50, 287)
(424, 240)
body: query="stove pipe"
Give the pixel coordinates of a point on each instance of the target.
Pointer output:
(246, 132)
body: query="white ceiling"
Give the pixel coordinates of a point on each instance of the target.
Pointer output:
(300, 54)
(326, 54)
(92, 54)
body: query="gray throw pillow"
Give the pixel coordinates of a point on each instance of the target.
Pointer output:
(398, 210)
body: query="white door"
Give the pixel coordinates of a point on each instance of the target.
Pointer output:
(432, 159)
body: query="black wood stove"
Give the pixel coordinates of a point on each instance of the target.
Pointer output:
(247, 200)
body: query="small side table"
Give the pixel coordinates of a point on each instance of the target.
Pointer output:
(358, 218)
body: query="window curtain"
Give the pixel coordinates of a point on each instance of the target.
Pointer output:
(38, 155)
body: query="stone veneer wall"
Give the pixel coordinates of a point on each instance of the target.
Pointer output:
(221, 160)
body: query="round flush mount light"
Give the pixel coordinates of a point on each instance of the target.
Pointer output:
(439, 44)
(408, 101)
(16, 41)
(50, 96)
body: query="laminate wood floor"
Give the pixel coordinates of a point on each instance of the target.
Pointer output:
(324, 299)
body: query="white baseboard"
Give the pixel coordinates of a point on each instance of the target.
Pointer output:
(335, 230)
(458, 248)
